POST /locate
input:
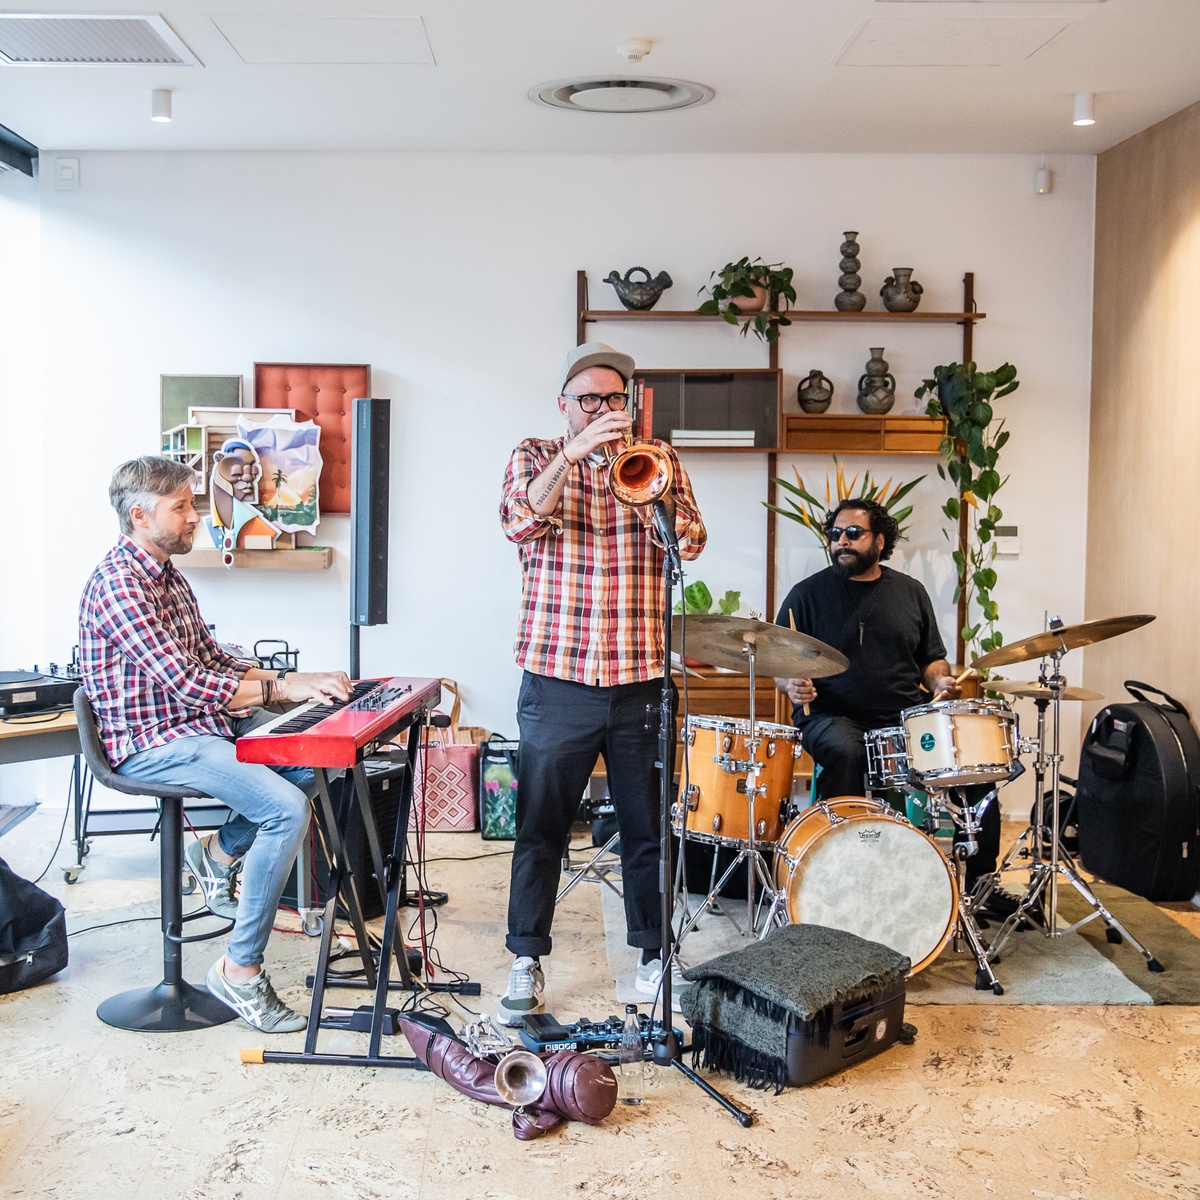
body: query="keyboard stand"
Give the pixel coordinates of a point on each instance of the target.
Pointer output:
(343, 885)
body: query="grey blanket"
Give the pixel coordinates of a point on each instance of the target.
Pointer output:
(743, 1002)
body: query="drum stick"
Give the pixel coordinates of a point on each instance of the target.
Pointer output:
(792, 622)
(967, 674)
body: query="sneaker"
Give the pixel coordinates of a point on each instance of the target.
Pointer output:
(255, 1002)
(649, 977)
(526, 984)
(217, 881)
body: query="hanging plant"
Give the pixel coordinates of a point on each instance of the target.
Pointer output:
(970, 451)
(811, 512)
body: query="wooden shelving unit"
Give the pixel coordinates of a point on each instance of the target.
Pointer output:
(824, 433)
(313, 558)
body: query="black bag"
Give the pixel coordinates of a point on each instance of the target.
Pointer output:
(1139, 797)
(498, 789)
(33, 933)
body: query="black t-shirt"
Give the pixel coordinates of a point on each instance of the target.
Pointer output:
(885, 627)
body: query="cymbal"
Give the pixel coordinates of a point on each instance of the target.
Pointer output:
(1035, 691)
(723, 641)
(1069, 637)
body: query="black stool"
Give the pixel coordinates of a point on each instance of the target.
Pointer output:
(173, 1004)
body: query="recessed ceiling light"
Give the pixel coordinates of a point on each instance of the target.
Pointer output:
(609, 94)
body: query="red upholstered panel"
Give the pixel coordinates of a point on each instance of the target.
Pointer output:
(324, 393)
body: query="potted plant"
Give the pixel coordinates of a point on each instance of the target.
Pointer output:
(747, 287)
(810, 512)
(964, 396)
(697, 599)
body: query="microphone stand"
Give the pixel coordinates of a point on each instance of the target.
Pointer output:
(666, 1045)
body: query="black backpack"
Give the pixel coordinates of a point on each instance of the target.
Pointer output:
(33, 933)
(1139, 796)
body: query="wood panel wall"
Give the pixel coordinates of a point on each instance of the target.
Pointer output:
(1143, 547)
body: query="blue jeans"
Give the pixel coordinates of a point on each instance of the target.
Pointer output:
(272, 819)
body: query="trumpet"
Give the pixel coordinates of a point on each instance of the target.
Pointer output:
(638, 474)
(520, 1078)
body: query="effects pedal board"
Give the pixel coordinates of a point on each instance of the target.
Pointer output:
(543, 1032)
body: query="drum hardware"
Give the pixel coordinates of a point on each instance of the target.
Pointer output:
(1048, 863)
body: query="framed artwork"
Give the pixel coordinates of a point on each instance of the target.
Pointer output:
(324, 393)
(178, 393)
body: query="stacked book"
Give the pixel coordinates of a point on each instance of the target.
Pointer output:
(712, 437)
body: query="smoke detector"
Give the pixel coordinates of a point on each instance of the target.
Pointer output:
(633, 50)
(612, 94)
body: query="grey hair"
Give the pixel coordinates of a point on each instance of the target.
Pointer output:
(141, 481)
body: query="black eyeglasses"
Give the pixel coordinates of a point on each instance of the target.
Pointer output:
(852, 533)
(591, 402)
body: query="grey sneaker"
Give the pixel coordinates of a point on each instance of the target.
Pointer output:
(526, 985)
(255, 1002)
(217, 881)
(649, 980)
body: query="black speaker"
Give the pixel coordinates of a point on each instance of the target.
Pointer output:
(383, 781)
(369, 511)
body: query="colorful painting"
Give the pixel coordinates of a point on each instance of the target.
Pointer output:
(288, 491)
(234, 521)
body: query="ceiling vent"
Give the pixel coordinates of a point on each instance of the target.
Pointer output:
(67, 40)
(610, 95)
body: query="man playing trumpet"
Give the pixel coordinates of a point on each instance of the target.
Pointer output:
(590, 642)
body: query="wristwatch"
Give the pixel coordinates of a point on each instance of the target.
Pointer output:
(283, 671)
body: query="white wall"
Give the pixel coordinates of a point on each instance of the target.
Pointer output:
(454, 276)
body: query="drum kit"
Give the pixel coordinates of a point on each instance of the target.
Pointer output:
(857, 862)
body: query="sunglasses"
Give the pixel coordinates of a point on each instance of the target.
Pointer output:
(852, 533)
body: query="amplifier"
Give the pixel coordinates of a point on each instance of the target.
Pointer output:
(383, 781)
(29, 692)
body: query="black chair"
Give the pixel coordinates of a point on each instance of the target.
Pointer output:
(173, 1004)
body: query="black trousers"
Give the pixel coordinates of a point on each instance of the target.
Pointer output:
(564, 727)
(837, 744)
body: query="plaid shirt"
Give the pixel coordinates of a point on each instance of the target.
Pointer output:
(592, 571)
(150, 667)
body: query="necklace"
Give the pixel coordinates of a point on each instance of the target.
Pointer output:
(863, 618)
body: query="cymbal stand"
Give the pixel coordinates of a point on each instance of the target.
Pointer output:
(1045, 870)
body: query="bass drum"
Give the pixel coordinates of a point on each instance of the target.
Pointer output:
(862, 868)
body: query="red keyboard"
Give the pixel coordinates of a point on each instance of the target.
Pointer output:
(336, 735)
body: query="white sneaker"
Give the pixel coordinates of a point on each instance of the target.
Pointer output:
(255, 1002)
(649, 980)
(526, 985)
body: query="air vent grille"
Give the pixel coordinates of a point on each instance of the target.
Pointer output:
(65, 40)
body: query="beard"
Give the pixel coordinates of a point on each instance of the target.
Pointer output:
(175, 543)
(849, 563)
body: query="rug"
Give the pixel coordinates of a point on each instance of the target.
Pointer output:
(1080, 968)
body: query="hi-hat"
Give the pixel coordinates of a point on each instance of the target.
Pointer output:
(725, 642)
(1035, 691)
(1067, 637)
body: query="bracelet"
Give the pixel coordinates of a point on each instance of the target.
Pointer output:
(283, 671)
(269, 691)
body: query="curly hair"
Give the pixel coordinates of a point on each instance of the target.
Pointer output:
(879, 521)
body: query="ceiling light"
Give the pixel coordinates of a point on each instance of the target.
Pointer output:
(607, 94)
(633, 50)
(160, 105)
(1043, 181)
(1085, 108)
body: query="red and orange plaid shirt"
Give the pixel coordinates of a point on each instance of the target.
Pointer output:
(591, 607)
(150, 666)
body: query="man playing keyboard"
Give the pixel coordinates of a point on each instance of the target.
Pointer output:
(169, 704)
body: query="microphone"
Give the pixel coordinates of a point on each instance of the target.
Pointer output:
(665, 528)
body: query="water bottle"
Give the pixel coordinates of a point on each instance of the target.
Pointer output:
(631, 1083)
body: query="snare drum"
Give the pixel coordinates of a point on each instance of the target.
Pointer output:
(954, 743)
(887, 757)
(862, 868)
(718, 809)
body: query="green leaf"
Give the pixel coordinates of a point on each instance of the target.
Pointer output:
(969, 632)
(697, 597)
(990, 610)
(952, 509)
(730, 603)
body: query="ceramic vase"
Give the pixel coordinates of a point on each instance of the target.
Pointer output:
(850, 299)
(900, 292)
(814, 392)
(876, 386)
(639, 294)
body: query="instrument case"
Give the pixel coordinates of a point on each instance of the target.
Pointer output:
(1139, 797)
(856, 1032)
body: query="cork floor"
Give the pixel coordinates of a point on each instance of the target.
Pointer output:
(1051, 1102)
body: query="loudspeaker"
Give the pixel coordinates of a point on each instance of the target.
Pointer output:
(383, 782)
(369, 511)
